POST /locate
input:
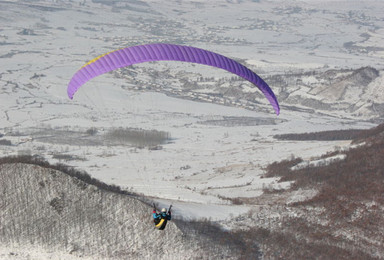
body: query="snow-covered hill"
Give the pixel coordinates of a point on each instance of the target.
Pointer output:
(46, 214)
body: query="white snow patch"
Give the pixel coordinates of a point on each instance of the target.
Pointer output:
(319, 162)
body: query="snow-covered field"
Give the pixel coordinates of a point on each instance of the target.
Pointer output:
(43, 43)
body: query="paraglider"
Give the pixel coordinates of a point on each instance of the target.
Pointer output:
(160, 219)
(161, 52)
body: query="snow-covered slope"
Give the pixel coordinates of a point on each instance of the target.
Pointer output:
(46, 214)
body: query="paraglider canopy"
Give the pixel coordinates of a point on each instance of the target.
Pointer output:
(159, 51)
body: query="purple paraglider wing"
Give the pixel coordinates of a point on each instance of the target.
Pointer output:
(157, 52)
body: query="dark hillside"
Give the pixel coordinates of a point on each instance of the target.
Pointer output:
(348, 208)
(375, 134)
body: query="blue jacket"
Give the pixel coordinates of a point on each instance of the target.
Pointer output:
(161, 215)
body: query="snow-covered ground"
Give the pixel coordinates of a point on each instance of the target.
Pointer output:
(43, 43)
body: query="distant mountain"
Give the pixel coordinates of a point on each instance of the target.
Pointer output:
(341, 93)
